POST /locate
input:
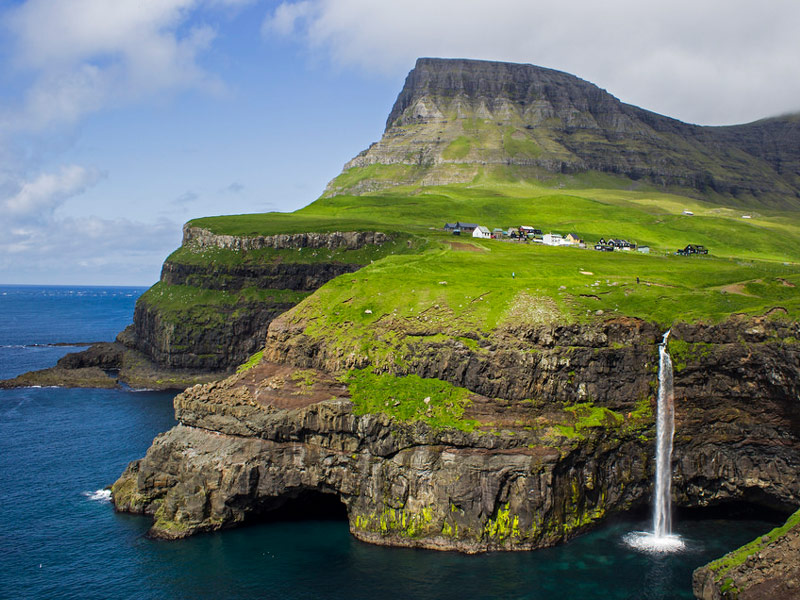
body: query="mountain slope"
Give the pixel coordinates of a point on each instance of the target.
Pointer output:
(457, 119)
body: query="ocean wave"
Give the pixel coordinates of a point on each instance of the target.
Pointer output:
(103, 495)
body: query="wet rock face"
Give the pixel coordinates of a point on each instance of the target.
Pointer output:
(261, 438)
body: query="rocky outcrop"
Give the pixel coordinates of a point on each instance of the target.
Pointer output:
(200, 239)
(564, 437)
(453, 114)
(304, 277)
(254, 442)
(109, 365)
(178, 325)
(208, 337)
(765, 569)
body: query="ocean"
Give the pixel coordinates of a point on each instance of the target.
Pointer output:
(60, 538)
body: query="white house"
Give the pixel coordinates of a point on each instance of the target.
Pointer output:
(481, 232)
(554, 239)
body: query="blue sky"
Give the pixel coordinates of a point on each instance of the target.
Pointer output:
(121, 120)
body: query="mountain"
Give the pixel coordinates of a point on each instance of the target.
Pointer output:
(456, 119)
(481, 394)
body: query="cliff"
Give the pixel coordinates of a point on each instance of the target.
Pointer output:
(210, 310)
(457, 119)
(556, 434)
(765, 569)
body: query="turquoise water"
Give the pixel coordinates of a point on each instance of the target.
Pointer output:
(59, 447)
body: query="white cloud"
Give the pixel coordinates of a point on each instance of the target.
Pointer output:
(287, 17)
(87, 250)
(84, 55)
(710, 62)
(36, 200)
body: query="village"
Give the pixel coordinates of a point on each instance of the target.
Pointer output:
(528, 234)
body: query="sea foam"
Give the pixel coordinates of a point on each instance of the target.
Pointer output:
(99, 495)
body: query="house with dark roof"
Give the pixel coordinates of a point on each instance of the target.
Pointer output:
(465, 227)
(692, 249)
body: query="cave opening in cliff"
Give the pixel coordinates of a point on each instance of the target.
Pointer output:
(302, 505)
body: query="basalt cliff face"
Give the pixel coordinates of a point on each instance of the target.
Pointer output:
(180, 325)
(564, 436)
(211, 308)
(455, 117)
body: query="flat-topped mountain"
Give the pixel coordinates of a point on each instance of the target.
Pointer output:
(457, 119)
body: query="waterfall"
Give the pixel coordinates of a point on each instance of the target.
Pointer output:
(661, 539)
(665, 430)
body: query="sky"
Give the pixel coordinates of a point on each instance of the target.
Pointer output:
(120, 121)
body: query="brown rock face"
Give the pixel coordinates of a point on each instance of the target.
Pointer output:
(765, 569)
(532, 473)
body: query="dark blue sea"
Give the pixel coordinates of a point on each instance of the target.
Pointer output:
(60, 538)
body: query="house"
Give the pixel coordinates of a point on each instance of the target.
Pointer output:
(554, 239)
(481, 232)
(619, 244)
(603, 246)
(498, 233)
(465, 227)
(643, 249)
(573, 239)
(692, 249)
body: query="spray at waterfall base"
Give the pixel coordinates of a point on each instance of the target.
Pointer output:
(661, 539)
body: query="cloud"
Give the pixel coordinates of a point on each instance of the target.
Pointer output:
(287, 17)
(88, 250)
(234, 188)
(83, 55)
(36, 200)
(185, 198)
(710, 62)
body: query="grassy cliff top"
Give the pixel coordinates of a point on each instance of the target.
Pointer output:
(754, 263)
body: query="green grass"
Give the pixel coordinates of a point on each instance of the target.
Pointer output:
(723, 565)
(404, 398)
(420, 281)
(458, 148)
(646, 217)
(250, 362)
(517, 144)
(178, 303)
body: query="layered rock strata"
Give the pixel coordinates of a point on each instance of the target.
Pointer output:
(564, 437)
(455, 117)
(218, 335)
